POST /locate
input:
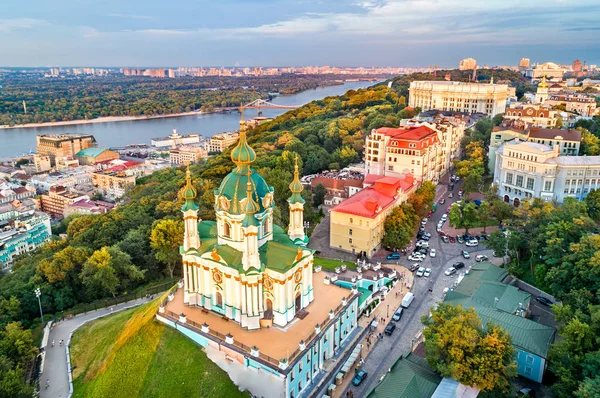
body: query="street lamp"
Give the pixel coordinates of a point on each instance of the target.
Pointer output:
(388, 311)
(306, 225)
(38, 293)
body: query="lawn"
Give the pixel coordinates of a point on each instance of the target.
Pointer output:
(329, 264)
(130, 354)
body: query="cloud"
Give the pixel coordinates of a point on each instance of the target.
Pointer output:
(8, 25)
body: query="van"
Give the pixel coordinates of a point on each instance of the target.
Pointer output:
(472, 243)
(408, 298)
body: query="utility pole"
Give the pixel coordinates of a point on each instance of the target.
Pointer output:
(38, 293)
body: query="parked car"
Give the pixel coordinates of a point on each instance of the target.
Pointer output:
(426, 234)
(424, 221)
(480, 258)
(543, 300)
(450, 195)
(445, 239)
(448, 209)
(359, 377)
(397, 315)
(422, 250)
(393, 256)
(423, 237)
(389, 329)
(450, 271)
(485, 237)
(526, 393)
(452, 239)
(420, 271)
(444, 217)
(429, 214)
(460, 239)
(427, 272)
(451, 187)
(472, 243)
(414, 257)
(465, 254)
(458, 265)
(422, 243)
(432, 253)
(461, 192)
(442, 201)
(414, 267)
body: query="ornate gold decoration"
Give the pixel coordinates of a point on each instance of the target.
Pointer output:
(215, 256)
(217, 277)
(224, 203)
(298, 276)
(299, 255)
(267, 200)
(268, 283)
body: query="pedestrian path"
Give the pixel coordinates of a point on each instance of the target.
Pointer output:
(56, 363)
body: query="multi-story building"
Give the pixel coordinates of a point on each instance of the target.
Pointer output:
(42, 163)
(568, 141)
(467, 64)
(524, 64)
(10, 192)
(23, 234)
(582, 104)
(548, 69)
(57, 199)
(113, 178)
(185, 155)
(86, 206)
(61, 145)
(356, 224)
(337, 190)
(70, 178)
(92, 156)
(526, 170)
(220, 142)
(176, 139)
(532, 114)
(458, 96)
(424, 150)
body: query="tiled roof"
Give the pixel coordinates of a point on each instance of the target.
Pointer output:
(409, 377)
(411, 133)
(571, 135)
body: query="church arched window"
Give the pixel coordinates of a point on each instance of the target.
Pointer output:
(226, 229)
(218, 299)
(266, 227)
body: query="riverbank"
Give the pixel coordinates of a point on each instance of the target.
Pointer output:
(104, 119)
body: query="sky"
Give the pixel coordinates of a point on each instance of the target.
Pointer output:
(295, 33)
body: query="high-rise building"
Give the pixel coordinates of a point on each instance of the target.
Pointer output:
(458, 96)
(524, 63)
(576, 66)
(467, 64)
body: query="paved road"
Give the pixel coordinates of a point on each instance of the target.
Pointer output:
(55, 366)
(387, 351)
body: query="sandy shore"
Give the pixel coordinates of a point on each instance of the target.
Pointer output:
(106, 119)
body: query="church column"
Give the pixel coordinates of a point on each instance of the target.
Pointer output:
(242, 290)
(255, 299)
(249, 304)
(261, 298)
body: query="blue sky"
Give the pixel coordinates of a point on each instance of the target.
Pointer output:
(301, 32)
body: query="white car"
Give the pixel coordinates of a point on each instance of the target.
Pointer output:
(444, 217)
(472, 243)
(420, 271)
(432, 253)
(422, 243)
(427, 272)
(450, 271)
(424, 222)
(412, 257)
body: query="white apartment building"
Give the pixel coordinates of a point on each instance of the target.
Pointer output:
(222, 141)
(582, 104)
(458, 96)
(533, 114)
(185, 155)
(527, 170)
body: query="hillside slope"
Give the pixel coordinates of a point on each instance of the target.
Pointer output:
(129, 354)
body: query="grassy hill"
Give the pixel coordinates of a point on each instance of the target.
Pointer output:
(129, 354)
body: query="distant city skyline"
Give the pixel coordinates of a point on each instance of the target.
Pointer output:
(399, 33)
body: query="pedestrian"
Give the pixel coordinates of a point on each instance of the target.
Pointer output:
(52, 342)
(60, 342)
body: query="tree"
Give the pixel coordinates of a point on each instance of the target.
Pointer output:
(463, 216)
(483, 214)
(457, 346)
(166, 238)
(399, 227)
(16, 343)
(422, 199)
(319, 195)
(590, 144)
(497, 242)
(592, 200)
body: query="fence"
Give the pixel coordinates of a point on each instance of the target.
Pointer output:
(82, 309)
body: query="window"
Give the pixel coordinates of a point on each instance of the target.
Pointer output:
(350, 232)
(530, 183)
(527, 371)
(349, 240)
(390, 168)
(350, 220)
(509, 178)
(307, 376)
(548, 186)
(227, 229)
(519, 181)
(218, 299)
(529, 360)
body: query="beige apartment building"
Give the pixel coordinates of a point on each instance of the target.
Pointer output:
(356, 224)
(222, 141)
(581, 104)
(185, 155)
(467, 64)
(63, 145)
(532, 114)
(57, 200)
(458, 96)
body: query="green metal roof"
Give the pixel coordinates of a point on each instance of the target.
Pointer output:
(90, 152)
(234, 187)
(366, 293)
(410, 377)
(207, 229)
(480, 272)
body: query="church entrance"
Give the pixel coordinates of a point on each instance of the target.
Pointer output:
(269, 309)
(298, 301)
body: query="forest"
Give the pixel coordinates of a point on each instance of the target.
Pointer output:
(53, 100)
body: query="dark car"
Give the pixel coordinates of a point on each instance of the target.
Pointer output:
(452, 239)
(485, 237)
(544, 301)
(389, 329)
(398, 315)
(526, 393)
(423, 237)
(451, 187)
(458, 265)
(422, 250)
(359, 377)
(393, 256)
(467, 237)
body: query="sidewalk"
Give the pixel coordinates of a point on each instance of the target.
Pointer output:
(383, 313)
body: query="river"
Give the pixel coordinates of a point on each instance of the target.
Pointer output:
(14, 142)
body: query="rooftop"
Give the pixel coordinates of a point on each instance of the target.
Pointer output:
(65, 137)
(410, 133)
(551, 134)
(90, 152)
(576, 160)
(275, 342)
